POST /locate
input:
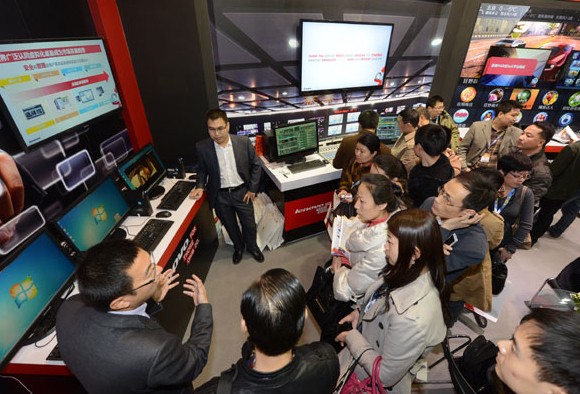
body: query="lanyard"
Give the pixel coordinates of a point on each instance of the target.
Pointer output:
(379, 293)
(495, 140)
(507, 200)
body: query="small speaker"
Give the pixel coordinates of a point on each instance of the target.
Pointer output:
(139, 202)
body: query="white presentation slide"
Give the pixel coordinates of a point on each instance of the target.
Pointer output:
(343, 55)
(51, 87)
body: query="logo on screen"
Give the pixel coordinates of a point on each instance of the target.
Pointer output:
(99, 214)
(566, 119)
(460, 116)
(24, 291)
(488, 115)
(541, 117)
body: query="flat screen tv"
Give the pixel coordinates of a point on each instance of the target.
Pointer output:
(514, 67)
(94, 217)
(31, 280)
(295, 141)
(144, 171)
(52, 87)
(343, 56)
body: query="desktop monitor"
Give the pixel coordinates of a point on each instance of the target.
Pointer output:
(388, 129)
(143, 171)
(295, 141)
(95, 217)
(34, 276)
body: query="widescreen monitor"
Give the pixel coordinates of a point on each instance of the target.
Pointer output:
(351, 128)
(514, 67)
(335, 119)
(144, 171)
(30, 279)
(343, 56)
(352, 117)
(388, 129)
(295, 141)
(569, 77)
(53, 87)
(95, 216)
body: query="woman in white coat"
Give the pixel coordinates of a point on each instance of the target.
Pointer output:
(375, 203)
(402, 314)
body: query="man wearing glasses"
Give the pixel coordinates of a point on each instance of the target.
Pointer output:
(229, 171)
(468, 264)
(437, 114)
(107, 337)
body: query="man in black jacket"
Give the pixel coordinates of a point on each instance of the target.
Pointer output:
(273, 312)
(106, 336)
(229, 171)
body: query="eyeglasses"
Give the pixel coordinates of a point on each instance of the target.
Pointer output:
(439, 107)
(154, 268)
(525, 176)
(445, 197)
(216, 129)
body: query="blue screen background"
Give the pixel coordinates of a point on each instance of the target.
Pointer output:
(83, 227)
(49, 270)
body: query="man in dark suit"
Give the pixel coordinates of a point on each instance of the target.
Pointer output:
(229, 171)
(106, 336)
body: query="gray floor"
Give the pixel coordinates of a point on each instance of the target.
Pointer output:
(226, 282)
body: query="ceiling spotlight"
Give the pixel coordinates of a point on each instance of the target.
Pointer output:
(436, 41)
(293, 43)
(392, 84)
(284, 93)
(241, 97)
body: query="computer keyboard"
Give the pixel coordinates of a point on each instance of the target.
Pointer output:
(54, 354)
(152, 233)
(175, 196)
(328, 155)
(308, 165)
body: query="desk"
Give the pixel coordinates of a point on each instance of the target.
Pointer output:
(189, 247)
(303, 198)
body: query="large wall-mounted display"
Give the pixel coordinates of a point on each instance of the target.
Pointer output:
(343, 56)
(526, 54)
(51, 87)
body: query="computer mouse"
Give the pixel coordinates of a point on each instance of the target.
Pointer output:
(163, 214)
(325, 161)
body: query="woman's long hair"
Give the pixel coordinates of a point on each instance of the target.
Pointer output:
(417, 228)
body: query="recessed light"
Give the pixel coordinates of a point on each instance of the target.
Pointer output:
(284, 93)
(293, 43)
(241, 97)
(392, 84)
(436, 41)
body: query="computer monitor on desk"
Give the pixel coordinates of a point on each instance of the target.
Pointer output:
(31, 282)
(144, 171)
(94, 217)
(296, 141)
(388, 129)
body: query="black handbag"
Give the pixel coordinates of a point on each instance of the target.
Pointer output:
(324, 308)
(499, 272)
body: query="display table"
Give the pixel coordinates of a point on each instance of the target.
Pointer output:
(188, 247)
(303, 198)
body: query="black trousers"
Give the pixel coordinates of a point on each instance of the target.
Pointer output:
(230, 206)
(548, 209)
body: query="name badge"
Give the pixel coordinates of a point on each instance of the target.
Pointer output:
(485, 157)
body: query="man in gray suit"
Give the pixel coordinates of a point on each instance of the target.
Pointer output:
(229, 171)
(106, 336)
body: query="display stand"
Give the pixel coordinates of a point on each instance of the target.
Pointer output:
(303, 198)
